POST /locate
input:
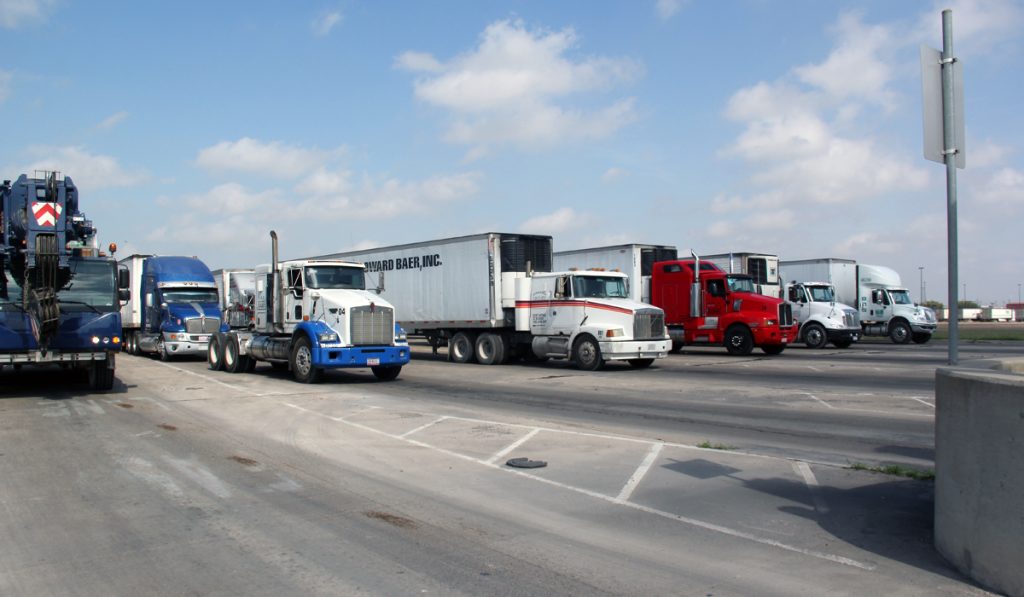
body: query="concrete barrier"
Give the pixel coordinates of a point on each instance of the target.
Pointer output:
(979, 474)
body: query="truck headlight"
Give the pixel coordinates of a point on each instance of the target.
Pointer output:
(327, 337)
(615, 333)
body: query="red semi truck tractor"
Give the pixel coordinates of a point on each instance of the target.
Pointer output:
(714, 307)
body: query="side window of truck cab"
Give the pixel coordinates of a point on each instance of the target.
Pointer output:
(295, 281)
(796, 295)
(716, 288)
(563, 289)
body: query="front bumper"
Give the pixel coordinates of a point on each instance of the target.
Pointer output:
(179, 343)
(613, 350)
(361, 356)
(764, 336)
(923, 328)
(844, 335)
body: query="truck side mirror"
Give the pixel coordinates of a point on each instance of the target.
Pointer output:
(124, 295)
(792, 295)
(380, 282)
(124, 278)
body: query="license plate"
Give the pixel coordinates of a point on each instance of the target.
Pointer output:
(784, 340)
(372, 362)
(203, 339)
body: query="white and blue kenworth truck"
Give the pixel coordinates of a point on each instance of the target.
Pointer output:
(312, 315)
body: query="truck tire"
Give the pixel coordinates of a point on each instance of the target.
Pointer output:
(233, 361)
(899, 332)
(461, 348)
(773, 349)
(677, 347)
(586, 352)
(738, 341)
(101, 377)
(162, 352)
(814, 335)
(386, 373)
(640, 363)
(921, 337)
(490, 349)
(215, 353)
(302, 362)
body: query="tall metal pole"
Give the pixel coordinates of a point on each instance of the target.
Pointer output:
(921, 269)
(950, 143)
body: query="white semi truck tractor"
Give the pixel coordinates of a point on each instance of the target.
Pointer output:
(313, 315)
(820, 317)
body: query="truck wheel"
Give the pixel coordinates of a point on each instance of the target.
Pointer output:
(843, 343)
(386, 373)
(738, 341)
(921, 337)
(899, 332)
(773, 349)
(490, 350)
(640, 363)
(302, 362)
(101, 377)
(587, 353)
(677, 347)
(215, 353)
(815, 336)
(232, 360)
(461, 347)
(134, 350)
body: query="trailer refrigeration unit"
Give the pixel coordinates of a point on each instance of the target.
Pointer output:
(236, 289)
(882, 303)
(494, 296)
(59, 298)
(173, 307)
(763, 269)
(714, 307)
(310, 315)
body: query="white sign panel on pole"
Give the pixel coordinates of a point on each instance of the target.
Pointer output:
(931, 92)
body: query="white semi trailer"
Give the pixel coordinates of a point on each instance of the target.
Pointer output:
(882, 302)
(493, 296)
(634, 260)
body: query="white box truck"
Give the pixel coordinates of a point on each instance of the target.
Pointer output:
(820, 317)
(883, 303)
(761, 267)
(494, 296)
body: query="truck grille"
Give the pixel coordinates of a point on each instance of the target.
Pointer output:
(202, 325)
(649, 324)
(372, 326)
(850, 319)
(785, 314)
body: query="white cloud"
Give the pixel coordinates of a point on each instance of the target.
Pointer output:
(112, 120)
(5, 85)
(16, 12)
(614, 174)
(1004, 187)
(556, 222)
(512, 88)
(324, 23)
(336, 197)
(274, 159)
(667, 9)
(89, 171)
(978, 25)
(868, 243)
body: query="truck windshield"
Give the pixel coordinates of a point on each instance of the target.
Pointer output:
(900, 297)
(334, 277)
(821, 294)
(189, 295)
(741, 284)
(93, 286)
(599, 287)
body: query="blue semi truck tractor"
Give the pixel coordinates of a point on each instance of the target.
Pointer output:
(311, 315)
(59, 296)
(173, 308)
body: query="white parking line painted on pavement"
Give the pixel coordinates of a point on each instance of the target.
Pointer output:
(607, 498)
(422, 427)
(507, 450)
(639, 473)
(922, 401)
(812, 484)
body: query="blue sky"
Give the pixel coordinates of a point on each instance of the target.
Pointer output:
(737, 125)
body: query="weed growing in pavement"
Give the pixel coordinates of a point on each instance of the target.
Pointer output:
(899, 471)
(710, 446)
